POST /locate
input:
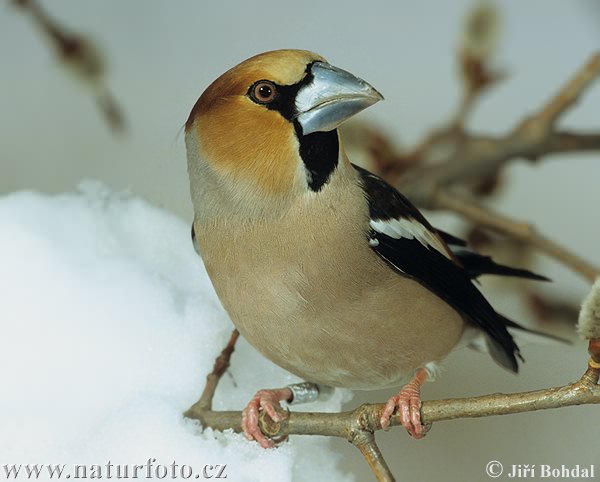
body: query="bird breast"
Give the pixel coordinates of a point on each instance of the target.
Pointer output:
(308, 292)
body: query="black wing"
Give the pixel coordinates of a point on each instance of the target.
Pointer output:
(412, 246)
(451, 239)
(477, 265)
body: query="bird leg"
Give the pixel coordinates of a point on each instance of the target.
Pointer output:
(408, 402)
(267, 401)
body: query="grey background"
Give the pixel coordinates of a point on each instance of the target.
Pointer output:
(163, 54)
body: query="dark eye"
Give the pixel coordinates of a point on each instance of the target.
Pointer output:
(263, 92)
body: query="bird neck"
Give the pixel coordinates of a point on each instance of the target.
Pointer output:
(320, 152)
(216, 195)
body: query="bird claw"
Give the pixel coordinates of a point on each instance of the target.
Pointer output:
(264, 401)
(408, 403)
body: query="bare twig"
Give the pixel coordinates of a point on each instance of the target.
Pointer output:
(569, 94)
(584, 391)
(212, 379)
(545, 308)
(478, 44)
(564, 141)
(358, 426)
(81, 57)
(366, 417)
(364, 441)
(487, 218)
(476, 157)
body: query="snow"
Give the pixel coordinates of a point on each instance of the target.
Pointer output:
(109, 326)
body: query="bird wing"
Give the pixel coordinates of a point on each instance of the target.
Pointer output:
(477, 264)
(402, 236)
(451, 239)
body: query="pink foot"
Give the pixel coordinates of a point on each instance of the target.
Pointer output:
(408, 402)
(268, 401)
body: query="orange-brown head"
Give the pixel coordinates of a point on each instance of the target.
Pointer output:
(267, 127)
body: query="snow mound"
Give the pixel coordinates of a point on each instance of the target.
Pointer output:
(109, 326)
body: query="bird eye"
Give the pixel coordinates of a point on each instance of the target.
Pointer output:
(263, 92)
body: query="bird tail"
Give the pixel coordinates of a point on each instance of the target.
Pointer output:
(508, 353)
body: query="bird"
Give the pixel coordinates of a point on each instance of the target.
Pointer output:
(324, 267)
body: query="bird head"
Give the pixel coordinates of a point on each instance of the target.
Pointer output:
(268, 125)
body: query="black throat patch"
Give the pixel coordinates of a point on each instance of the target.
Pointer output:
(319, 152)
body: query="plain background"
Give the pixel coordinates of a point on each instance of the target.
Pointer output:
(163, 54)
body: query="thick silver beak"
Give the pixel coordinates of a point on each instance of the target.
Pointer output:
(332, 97)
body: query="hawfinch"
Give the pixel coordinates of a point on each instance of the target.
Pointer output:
(322, 266)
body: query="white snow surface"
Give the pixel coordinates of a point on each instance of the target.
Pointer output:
(109, 327)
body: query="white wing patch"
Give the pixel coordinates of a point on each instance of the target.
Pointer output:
(409, 228)
(373, 242)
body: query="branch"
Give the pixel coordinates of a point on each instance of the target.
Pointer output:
(81, 57)
(212, 379)
(358, 426)
(479, 157)
(366, 417)
(569, 94)
(478, 44)
(546, 307)
(364, 441)
(564, 141)
(518, 230)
